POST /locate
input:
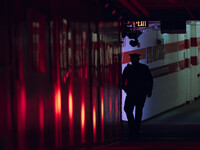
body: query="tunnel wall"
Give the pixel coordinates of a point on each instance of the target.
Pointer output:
(60, 81)
(176, 78)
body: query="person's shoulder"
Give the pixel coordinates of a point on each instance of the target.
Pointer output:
(144, 66)
(128, 65)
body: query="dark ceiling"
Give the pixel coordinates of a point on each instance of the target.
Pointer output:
(120, 9)
(158, 9)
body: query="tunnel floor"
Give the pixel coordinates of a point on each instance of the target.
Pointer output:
(175, 129)
(178, 129)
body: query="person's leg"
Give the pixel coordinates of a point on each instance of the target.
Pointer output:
(128, 108)
(138, 117)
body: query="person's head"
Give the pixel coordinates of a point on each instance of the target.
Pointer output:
(135, 58)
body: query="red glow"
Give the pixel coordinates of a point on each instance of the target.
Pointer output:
(110, 107)
(9, 121)
(67, 75)
(106, 5)
(58, 116)
(100, 24)
(80, 72)
(41, 120)
(86, 72)
(58, 102)
(102, 116)
(94, 123)
(82, 110)
(83, 122)
(120, 18)
(113, 12)
(21, 108)
(70, 108)
(41, 115)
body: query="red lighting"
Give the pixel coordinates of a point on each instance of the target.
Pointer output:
(80, 72)
(120, 17)
(94, 123)
(102, 116)
(58, 102)
(106, 5)
(67, 75)
(100, 24)
(58, 116)
(83, 122)
(41, 115)
(70, 108)
(113, 12)
(21, 108)
(110, 107)
(86, 72)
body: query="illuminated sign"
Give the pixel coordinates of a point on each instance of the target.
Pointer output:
(141, 23)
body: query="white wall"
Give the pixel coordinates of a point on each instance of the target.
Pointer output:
(173, 89)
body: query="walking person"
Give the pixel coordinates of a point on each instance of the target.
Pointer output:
(137, 82)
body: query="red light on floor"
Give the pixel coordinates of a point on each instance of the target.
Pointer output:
(94, 123)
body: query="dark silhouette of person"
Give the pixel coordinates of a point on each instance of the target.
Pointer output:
(137, 82)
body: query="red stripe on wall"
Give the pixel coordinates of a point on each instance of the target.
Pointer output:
(171, 47)
(194, 42)
(187, 63)
(194, 60)
(187, 44)
(182, 64)
(181, 45)
(126, 57)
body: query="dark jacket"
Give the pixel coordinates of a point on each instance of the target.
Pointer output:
(137, 79)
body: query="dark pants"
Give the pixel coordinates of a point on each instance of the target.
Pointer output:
(134, 122)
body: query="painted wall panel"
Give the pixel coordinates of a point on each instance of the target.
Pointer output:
(178, 84)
